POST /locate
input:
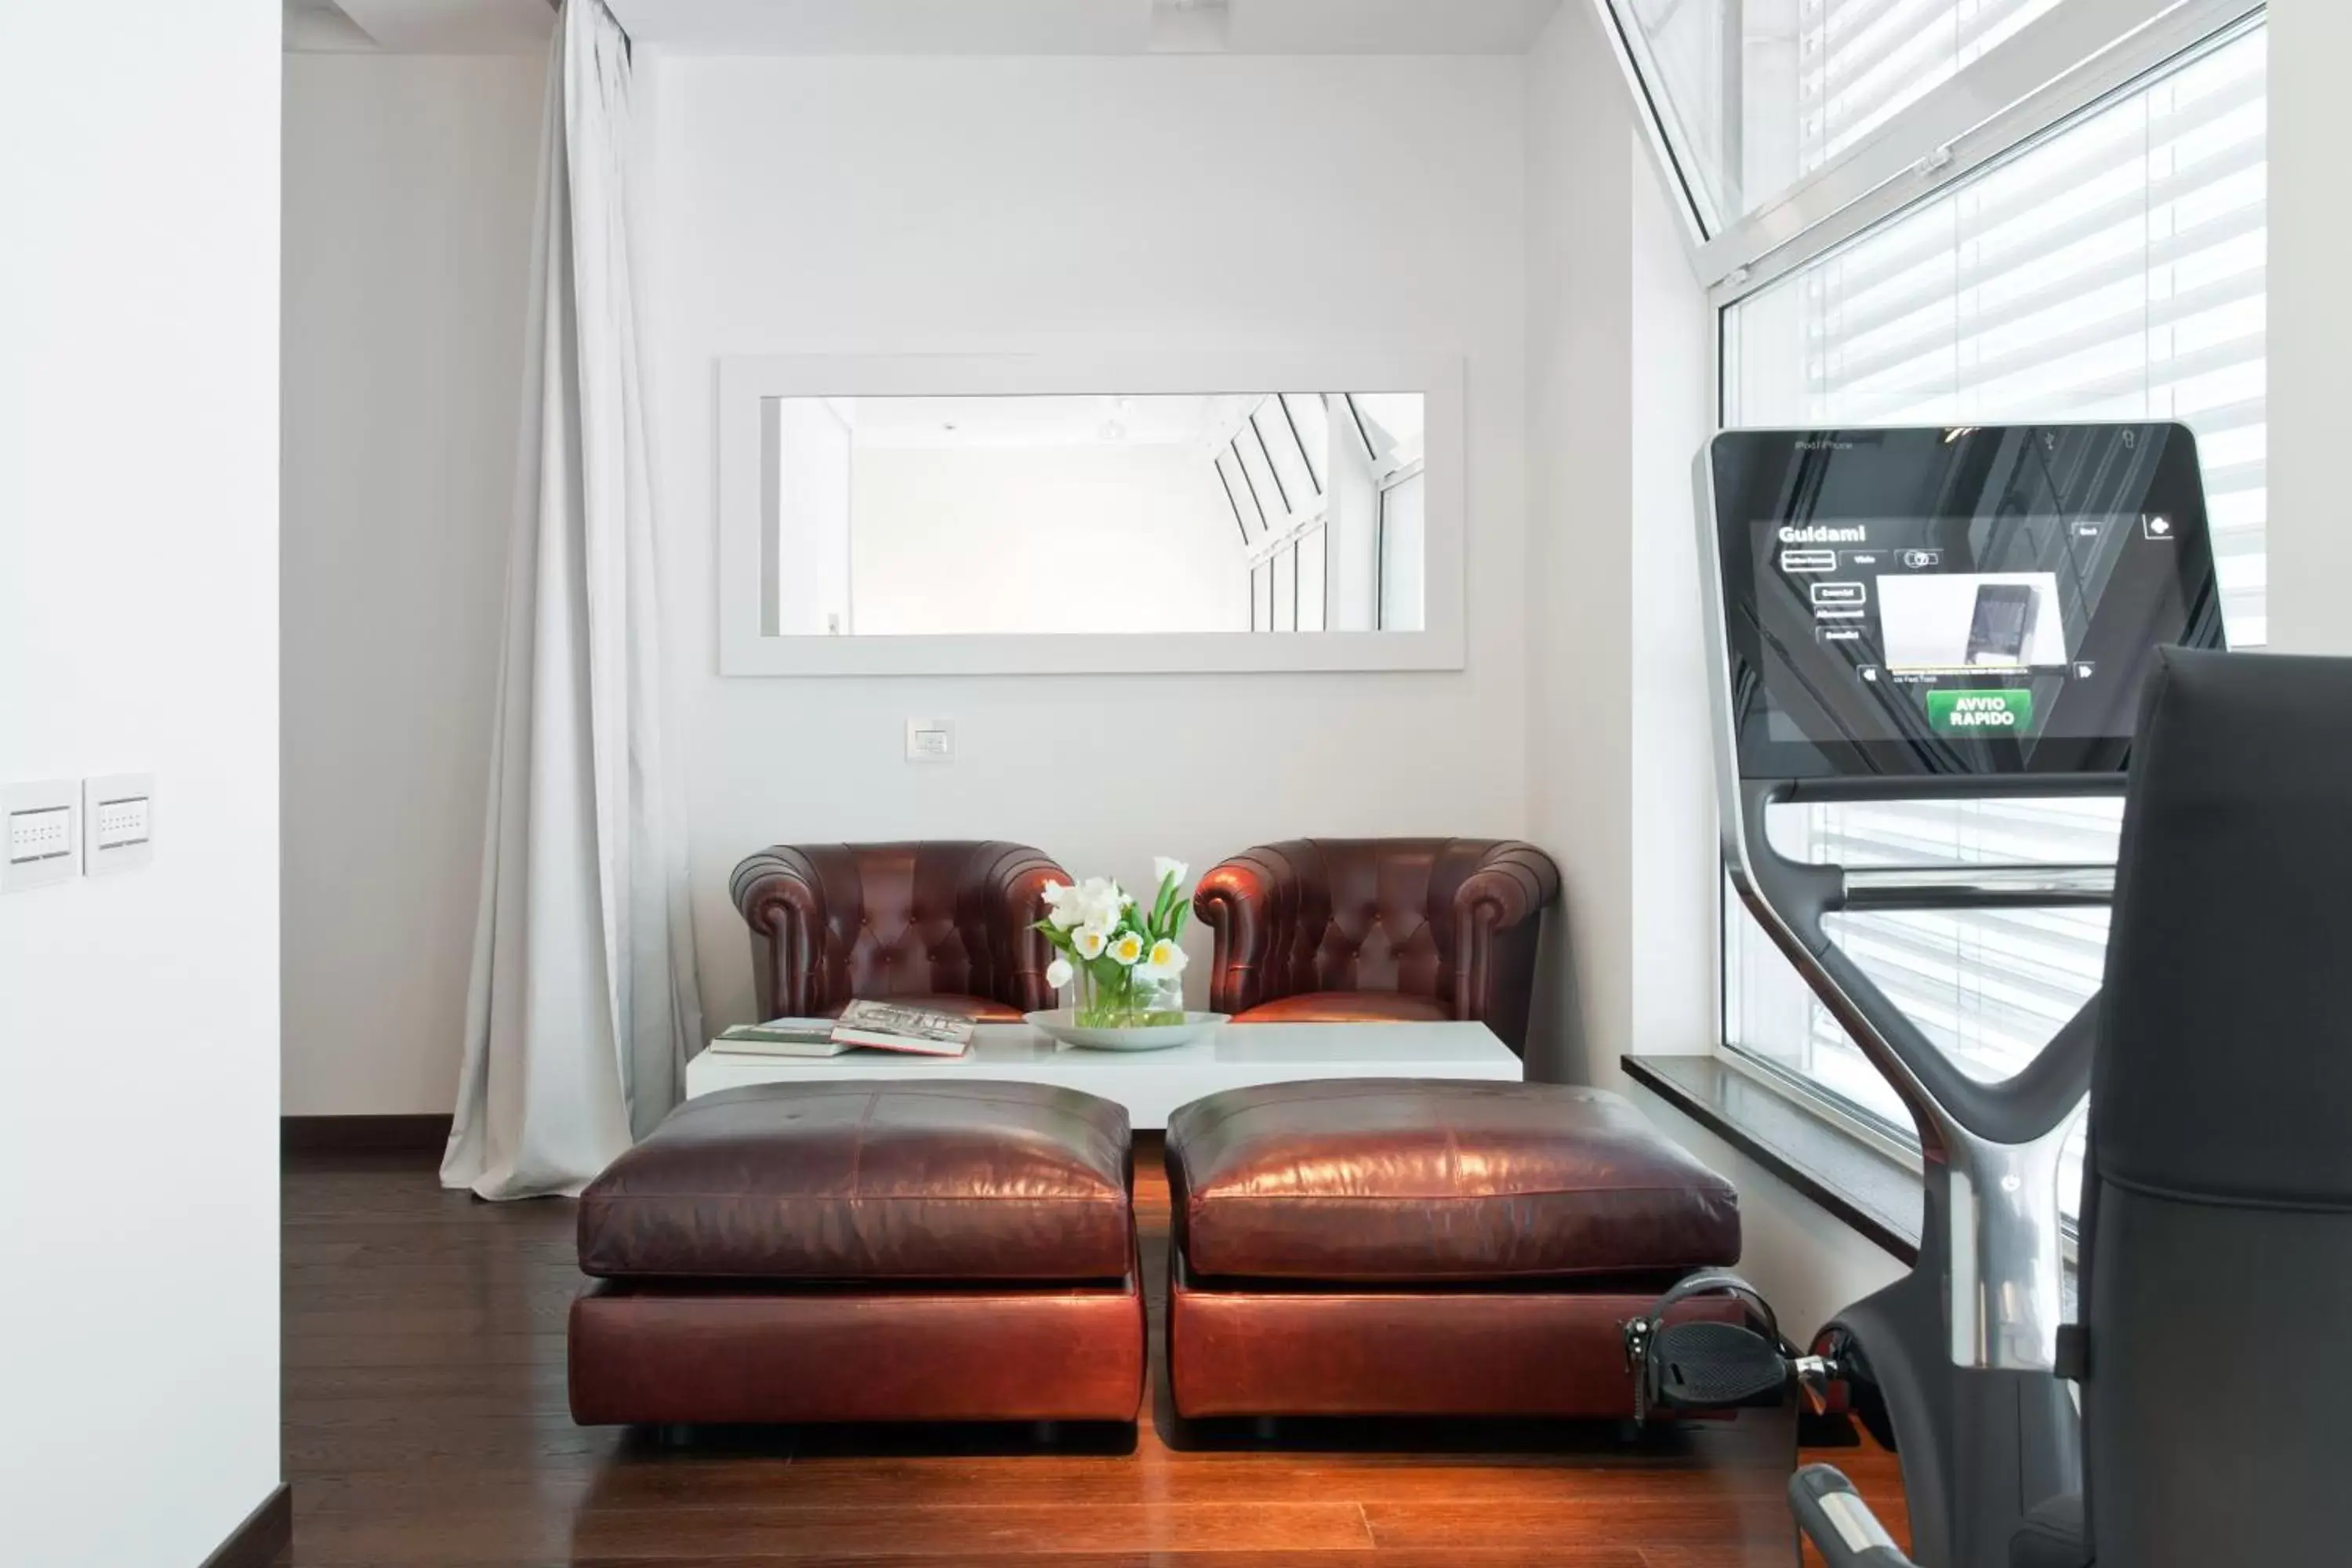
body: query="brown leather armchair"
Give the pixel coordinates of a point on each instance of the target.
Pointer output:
(1394, 930)
(943, 924)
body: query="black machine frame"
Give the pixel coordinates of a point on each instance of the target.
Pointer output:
(1960, 1354)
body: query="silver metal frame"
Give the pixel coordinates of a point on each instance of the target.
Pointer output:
(2049, 71)
(1978, 886)
(1634, 63)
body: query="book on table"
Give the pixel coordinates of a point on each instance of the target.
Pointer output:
(863, 1025)
(780, 1037)
(916, 1031)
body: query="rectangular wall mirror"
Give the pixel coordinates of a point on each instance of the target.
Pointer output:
(979, 515)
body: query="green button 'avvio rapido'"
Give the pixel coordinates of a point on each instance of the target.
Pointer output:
(1980, 712)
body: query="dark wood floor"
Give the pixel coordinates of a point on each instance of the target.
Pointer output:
(426, 1427)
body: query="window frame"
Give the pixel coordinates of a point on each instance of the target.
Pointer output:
(2079, 54)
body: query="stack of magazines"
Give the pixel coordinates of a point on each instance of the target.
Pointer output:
(863, 1025)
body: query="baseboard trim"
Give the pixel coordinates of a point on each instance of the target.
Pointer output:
(362, 1134)
(267, 1532)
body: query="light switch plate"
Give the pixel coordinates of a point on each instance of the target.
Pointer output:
(118, 814)
(931, 740)
(41, 843)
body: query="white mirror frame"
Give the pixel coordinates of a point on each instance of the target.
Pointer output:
(746, 549)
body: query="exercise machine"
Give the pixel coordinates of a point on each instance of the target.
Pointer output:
(1955, 612)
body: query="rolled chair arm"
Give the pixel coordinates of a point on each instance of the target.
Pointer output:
(1495, 913)
(1513, 882)
(1009, 884)
(1253, 904)
(1839, 1523)
(781, 898)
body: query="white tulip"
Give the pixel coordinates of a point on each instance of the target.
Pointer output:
(1090, 941)
(1166, 961)
(1127, 948)
(1096, 901)
(1059, 973)
(1064, 908)
(1162, 867)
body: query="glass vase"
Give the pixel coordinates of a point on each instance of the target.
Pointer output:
(1128, 1001)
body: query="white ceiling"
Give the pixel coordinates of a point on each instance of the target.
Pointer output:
(939, 26)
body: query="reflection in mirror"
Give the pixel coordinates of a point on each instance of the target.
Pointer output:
(1278, 511)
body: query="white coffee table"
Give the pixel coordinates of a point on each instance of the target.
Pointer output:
(1150, 1084)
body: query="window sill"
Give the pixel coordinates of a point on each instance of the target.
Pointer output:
(1873, 1193)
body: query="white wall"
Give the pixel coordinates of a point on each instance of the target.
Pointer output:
(2310, 329)
(1678, 864)
(1580, 569)
(138, 631)
(897, 205)
(1620, 769)
(408, 245)
(1619, 773)
(1134, 540)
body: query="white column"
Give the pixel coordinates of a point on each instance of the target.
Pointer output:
(139, 616)
(2310, 328)
(1619, 787)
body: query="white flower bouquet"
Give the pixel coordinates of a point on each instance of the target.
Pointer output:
(1123, 958)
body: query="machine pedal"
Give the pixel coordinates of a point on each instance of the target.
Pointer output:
(1714, 1366)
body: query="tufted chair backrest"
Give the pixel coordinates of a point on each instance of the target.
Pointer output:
(834, 922)
(1444, 918)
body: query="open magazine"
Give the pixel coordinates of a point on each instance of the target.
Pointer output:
(888, 1026)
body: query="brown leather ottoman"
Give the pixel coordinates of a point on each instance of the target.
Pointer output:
(1392, 1247)
(864, 1252)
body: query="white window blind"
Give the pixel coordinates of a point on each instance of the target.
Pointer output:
(2114, 270)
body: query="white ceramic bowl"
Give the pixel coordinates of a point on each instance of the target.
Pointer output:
(1062, 1023)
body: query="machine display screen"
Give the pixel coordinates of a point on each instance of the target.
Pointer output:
(1942, 601)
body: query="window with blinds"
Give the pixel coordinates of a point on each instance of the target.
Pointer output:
(1859, 62)
(2115, 268)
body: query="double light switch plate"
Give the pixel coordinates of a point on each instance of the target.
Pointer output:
(62, 828)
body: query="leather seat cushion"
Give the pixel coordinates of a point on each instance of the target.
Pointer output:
(979, 1009)
(869, 1180)
(1348, 1007)
(2052, 1536)
(1416, 1180)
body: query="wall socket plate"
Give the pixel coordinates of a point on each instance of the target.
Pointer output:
(931, 740)
(118, 814)
(40, 834)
